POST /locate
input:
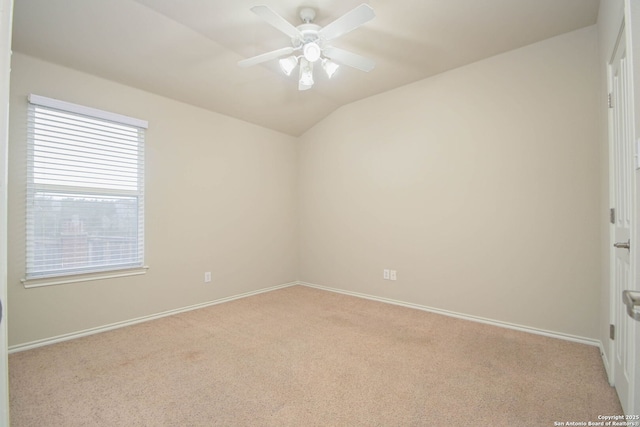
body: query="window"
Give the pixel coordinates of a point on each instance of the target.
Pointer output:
(85, 190)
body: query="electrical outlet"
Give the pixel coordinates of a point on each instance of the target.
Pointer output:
(207, 277)
(385, 274)
(393, 275)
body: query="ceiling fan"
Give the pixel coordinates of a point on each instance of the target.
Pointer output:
(310, 43)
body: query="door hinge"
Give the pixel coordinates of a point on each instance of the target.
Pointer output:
(612, 332)
(612, 215)
(610, 100)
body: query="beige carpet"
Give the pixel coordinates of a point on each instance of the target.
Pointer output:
(304, 357)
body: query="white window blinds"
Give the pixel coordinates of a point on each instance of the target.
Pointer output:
(85, 190)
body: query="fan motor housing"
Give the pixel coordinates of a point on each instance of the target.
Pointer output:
(309, 33)
(308, 29)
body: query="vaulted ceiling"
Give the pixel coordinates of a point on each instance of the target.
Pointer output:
(188, 49)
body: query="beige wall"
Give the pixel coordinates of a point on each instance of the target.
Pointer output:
(220, 197)
(480, 186)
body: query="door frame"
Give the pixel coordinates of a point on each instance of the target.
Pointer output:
(6, 20)
(613, 307)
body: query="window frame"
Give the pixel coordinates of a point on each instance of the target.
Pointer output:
(85, 193)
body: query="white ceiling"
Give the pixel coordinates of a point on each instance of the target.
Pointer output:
(188, 49)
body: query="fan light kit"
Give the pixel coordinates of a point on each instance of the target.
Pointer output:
(310, 43)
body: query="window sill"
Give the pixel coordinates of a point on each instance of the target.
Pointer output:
(51, 281)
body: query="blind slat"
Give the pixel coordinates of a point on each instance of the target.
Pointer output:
(45, 131)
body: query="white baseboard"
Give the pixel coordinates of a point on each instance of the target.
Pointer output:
(529, 329)
(86, 332)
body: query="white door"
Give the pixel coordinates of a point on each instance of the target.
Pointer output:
(621, 131)
(6, 16)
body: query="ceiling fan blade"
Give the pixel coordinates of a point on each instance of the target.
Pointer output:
(349, 58)
(276, 21)
(347, 22)
(265, 57)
